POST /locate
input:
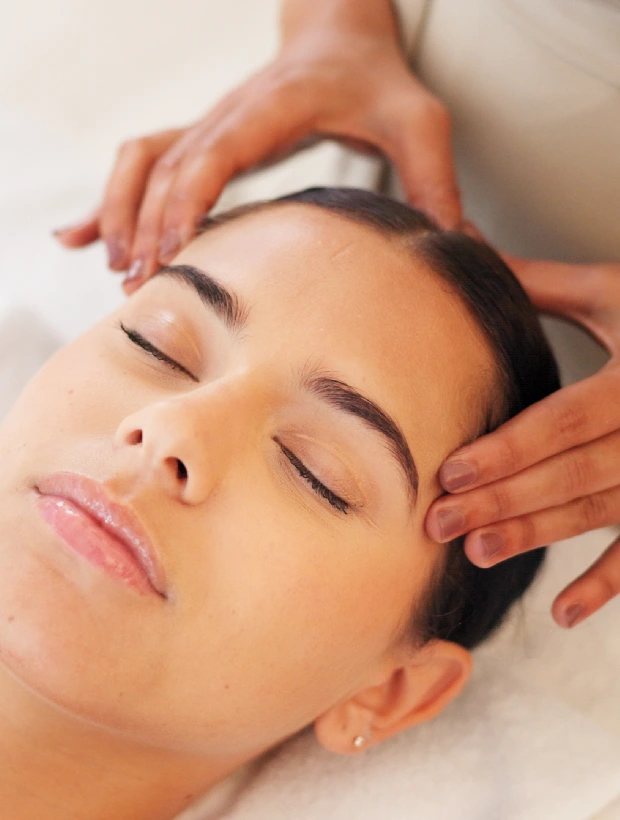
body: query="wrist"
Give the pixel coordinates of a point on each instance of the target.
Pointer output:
(365, 19)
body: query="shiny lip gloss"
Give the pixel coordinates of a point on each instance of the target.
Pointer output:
(101, 531)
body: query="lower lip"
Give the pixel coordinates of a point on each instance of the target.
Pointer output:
(84, 536)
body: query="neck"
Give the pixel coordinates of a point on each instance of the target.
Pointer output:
(55, 766)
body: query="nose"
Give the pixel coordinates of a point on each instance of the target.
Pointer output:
(185, 444)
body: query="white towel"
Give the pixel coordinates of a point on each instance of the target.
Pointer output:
(504, 751)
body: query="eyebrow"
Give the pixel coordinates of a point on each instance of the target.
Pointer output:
(338, 394)
(226, 305)
(343, 397)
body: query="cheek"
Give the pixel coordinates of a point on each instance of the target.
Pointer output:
(70, 402)
(294, 616)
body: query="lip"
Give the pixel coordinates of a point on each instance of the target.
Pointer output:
(100, 530)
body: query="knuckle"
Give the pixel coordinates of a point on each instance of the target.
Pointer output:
(507, 456)
(569, 422)
(500, 503)
(592, 511)
(431, 108)
(524, 536)
(160, 174)
(577, 473)
(179, 201)
(136, 148)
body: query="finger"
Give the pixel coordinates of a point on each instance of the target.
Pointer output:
(420, 147)
(244, 138)
(586, 294)
(573, 474)
(81, 234)
(488, 546)
(574, 415)
(592, 590)
(125, 190)
(148, 232)
(147, 236)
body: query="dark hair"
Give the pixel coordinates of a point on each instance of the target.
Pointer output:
(464, 603)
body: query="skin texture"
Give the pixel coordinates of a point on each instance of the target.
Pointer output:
(281, 610)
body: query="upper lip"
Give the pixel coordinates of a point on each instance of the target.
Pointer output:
(117, 519)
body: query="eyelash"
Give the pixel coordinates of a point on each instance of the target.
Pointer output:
(319, 488)
(143, 343)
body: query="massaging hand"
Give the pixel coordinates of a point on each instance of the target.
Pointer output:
(553, 471)
(344, 77)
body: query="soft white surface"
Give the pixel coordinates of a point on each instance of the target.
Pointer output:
(537, 733)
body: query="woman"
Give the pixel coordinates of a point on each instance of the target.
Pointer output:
(213, 505)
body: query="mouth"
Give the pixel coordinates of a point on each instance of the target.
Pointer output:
(100, 530)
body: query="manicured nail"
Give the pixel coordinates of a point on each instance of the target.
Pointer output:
(116, 252)
(451, 522)
(456, 474)
(572, 615)
(135, 271)
(170, 243)
(492, 543)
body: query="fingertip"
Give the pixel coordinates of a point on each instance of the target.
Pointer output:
(76, 236)
(117, 253)
(440, 204)
(135, 276)
(568, 614)
(457, 475)
(485, 549)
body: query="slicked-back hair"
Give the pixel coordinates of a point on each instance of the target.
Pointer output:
(463, 603)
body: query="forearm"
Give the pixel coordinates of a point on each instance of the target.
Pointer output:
(376, 18)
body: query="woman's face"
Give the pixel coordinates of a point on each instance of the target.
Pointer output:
(281, 509)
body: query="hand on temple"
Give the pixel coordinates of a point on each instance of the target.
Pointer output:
(340, 73)
(553, 471)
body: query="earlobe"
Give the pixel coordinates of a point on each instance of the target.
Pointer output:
(416, 687)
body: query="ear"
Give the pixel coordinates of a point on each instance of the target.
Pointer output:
(411, 688)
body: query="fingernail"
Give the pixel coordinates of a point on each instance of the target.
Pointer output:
(169, 244)
(451, 522)
(572, 615)
(456, 474)
(492, 543)
(134, 272)
(116, 252)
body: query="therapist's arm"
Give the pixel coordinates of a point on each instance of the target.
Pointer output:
(340, 72)
(554, 470)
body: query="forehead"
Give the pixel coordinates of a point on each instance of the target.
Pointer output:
(326, 291)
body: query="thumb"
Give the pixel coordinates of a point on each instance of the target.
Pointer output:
(422, 154)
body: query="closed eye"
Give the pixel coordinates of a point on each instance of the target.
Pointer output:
(319, 488)
(139, 340)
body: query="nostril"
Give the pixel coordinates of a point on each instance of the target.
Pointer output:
(181, 470)
(135, 437)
